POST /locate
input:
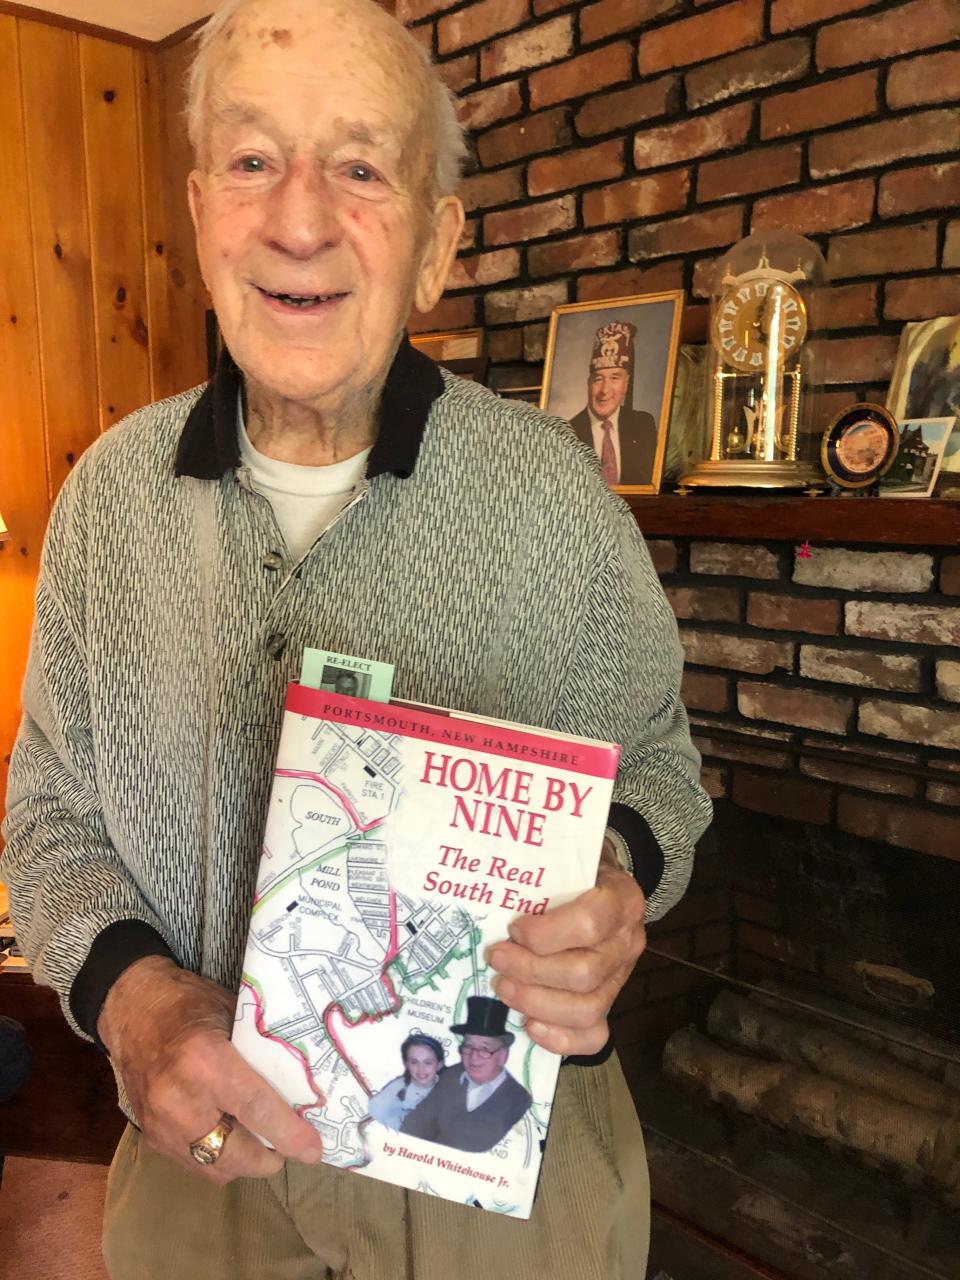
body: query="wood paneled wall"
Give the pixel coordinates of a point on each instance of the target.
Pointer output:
(101, 304)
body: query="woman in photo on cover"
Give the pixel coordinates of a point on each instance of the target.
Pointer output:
(423, 1060)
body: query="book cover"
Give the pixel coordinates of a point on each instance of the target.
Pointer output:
(400, 842)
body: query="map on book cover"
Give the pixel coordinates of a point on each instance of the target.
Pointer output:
(400, 842)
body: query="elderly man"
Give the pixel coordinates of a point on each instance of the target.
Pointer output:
(330, 488)
(475, 1108)
(623, 438)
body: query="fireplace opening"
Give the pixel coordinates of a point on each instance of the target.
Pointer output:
(791, 1042)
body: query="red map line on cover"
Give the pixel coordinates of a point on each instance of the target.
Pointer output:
(595, 759)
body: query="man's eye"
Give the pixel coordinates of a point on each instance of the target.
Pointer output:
(362, 173)
(251, 164)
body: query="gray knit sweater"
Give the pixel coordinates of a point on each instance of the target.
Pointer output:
(501, 577)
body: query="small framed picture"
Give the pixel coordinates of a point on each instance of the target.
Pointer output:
(609, 371)
(926, 383)
(919, 458)
(462, 351)
(926, 376)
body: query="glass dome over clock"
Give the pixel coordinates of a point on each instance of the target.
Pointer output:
(760, 367)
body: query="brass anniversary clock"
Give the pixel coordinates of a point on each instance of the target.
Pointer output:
(760, 368)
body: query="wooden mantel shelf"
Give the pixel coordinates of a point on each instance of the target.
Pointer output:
(852, 521)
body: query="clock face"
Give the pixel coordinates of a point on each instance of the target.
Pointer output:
(754, 317)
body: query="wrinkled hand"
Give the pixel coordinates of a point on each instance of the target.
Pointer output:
(564, 969)
(168, 1033)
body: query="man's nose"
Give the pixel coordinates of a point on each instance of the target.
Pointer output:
(301, 217)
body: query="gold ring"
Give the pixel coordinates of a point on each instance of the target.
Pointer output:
(208, 1149)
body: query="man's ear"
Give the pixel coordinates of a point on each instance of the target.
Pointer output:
(440, 251)
(195, 201)
(195, 198)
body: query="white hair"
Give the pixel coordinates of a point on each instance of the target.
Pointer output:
(449, 136)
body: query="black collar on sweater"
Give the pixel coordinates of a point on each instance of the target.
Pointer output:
(209, 446)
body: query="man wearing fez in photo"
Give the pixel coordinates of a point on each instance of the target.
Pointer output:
(623, 438)
(475, 1108)
(332, 488)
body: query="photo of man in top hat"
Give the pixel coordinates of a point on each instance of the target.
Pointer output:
(473, 1109)
(624, 439)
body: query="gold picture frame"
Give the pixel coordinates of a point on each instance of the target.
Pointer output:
(462, 351)
(589, 347)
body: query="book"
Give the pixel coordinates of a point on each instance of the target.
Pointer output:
(400, 843)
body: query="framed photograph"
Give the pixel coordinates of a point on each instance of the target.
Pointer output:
(926, 383)
(514, 384)
(609, 371)
(462, 351)
(917, 464)
(948, 481)
(687, 437)
(528, 394)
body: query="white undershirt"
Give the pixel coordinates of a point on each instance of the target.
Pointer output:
(305, 500)
(596, 425)
(479, 1093)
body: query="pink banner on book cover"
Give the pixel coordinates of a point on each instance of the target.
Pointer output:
(598, 760)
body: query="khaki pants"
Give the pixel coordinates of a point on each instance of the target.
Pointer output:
(591, 1220)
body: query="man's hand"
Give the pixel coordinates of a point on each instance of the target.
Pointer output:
(168, 1033)
(564, 969)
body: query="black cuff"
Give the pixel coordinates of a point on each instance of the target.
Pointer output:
(115, 949)
(646, 853)
(590, 1059)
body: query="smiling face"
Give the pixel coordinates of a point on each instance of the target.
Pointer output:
(484, 1057)
(316, 227)
(607, 389)
(422, 1064)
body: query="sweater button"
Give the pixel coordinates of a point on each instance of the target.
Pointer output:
(273, 560)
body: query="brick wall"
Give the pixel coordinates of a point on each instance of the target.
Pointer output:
(825, 687)
(621, 145)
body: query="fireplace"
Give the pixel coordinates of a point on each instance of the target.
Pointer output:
(790, 1040)
(792, 1035)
